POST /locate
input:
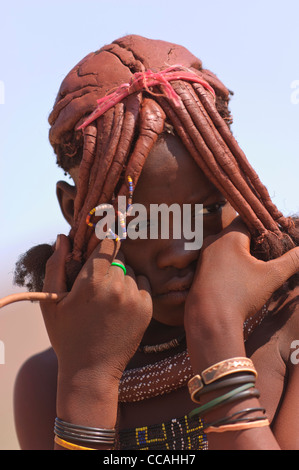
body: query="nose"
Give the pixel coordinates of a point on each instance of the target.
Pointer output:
(173, 254)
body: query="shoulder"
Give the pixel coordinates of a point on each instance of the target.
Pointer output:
(286, 315)
(286, 424)
(35, 401)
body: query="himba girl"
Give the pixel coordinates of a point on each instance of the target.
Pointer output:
(155, 346)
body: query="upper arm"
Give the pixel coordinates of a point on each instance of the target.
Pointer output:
(35, 402)
(286, 423)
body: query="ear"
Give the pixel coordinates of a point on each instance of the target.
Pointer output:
(66, 195)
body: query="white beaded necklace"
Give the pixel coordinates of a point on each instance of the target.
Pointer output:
(170, 373)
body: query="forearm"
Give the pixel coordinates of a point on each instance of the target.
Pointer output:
(212, 338)
(259, 437)
(89, 401)
(211, 341)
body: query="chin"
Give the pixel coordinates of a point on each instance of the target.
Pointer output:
(169, 308)
(174, 317)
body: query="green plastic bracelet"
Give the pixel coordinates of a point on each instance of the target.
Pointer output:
(219, 400)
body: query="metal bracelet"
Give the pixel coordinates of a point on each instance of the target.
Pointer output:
(80, 433)
(235, 380)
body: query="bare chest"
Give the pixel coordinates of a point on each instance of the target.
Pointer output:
(264, 349)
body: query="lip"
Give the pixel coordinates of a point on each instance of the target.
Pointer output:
(173, 296)
(176, 289)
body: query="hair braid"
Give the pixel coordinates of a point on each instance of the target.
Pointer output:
(224, 164)
(232, 144)
(90, 140)
(117, 143)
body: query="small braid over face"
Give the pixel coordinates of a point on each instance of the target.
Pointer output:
(117, 144)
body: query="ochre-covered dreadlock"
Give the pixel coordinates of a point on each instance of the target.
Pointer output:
(117, 143)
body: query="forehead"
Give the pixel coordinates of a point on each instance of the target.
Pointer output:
(170, 174)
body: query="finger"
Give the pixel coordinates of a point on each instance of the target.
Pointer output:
(284, 267)
(101, 258)
(240, 230)
(120, 257)
(237, 225)
(235, 234)
(130, 273)
(55, 275)
(144, 285)
(92, 244)
(118, 267)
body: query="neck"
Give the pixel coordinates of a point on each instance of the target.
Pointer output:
(159, 333)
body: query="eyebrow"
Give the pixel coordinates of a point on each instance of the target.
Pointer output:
(193, 199)
(214, 192)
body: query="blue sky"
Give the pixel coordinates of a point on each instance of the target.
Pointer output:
(252, 46)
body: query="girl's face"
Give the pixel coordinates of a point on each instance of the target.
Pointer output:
(170, 176)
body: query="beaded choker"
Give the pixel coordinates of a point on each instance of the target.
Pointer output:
(168, 374)
(156, 348)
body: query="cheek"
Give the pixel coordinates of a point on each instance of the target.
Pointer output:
(137, 255)
(215, 225)
(228, 215)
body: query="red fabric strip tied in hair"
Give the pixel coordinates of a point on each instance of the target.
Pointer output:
(143, 81)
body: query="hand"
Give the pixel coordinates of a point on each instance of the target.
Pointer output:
(230, 282)
(98, 326)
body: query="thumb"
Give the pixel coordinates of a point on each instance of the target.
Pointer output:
(143, 284)
(55, 276)
(284, 267)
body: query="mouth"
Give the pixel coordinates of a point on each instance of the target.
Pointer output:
(173, 296)
(176, 291)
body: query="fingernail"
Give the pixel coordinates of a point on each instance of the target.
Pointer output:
(58, 242)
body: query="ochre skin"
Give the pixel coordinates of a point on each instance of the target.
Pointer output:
(163, 179)
(96, 329)
(116, 145)
(170, 176)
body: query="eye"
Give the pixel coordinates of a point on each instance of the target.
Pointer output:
(141, 227)
(213, 208)
(144, 224)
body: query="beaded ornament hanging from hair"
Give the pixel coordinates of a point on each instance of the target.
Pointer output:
(137, 106)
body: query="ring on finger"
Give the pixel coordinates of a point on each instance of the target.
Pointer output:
(120, 266)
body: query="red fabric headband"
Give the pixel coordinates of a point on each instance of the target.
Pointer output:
(144, 80)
